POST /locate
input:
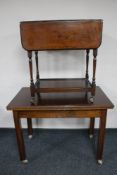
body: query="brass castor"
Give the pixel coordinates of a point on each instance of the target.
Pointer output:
(32, 100)
(91, 99)
(90, 136)
(100, 162)
(25, 161)
(30, 136)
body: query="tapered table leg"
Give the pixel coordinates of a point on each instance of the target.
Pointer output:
(91, 128)
(101, 137)
(19, 136)
(29, 123)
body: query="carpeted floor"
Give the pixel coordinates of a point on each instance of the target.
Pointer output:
(57, 152)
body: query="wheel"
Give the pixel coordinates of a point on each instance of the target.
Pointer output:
(32, 100)
(90, 136)
(30, 136)
(91, 99)
(25, 161)
(100, 162)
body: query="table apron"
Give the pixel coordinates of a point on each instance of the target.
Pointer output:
(60, 114)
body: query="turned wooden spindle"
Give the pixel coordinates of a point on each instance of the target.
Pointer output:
(37, 68)
(94, 69)
(32, 86)
(87, 64)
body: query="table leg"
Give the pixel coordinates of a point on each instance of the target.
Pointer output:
(29, 123)
(91, 128)
(101, 136)
(19, 136)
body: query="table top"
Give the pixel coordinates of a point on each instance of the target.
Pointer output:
(59, 101)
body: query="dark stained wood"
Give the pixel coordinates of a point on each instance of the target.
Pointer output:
(61, 34)
(59, 114)
(72, 101)
(32, 86)
(87, 63)
(101, 135)
(63, 85)
(30, 67)
(58, 35)
(19, 136)
(29, 123)
(60, 105)
(94, 70)
(59, 101)
(91, 127)
(37, 69)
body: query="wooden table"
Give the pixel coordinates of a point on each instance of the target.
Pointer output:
(60, 105)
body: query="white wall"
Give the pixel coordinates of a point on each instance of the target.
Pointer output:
(14, 62)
